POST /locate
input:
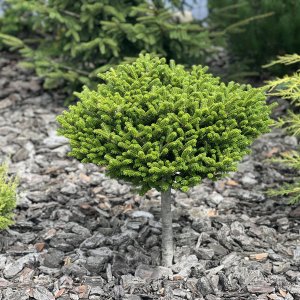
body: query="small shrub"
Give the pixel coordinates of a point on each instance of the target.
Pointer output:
(7, 197)
(69, 42)
(157, 125)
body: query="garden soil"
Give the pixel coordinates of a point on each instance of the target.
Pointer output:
(81, 235)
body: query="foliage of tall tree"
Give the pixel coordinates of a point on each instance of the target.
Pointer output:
(69, 42)
(258, 30)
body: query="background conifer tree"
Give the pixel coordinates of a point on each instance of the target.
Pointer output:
(257, 30)
(157, 125)
(69, 42)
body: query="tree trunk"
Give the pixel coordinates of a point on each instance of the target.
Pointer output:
(167, 231)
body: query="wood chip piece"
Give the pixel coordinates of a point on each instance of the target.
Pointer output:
(49, 234)
(84, 291)
(259, 256)
(53, 170)
(104, 206)
(231, 182)
(58, 293)
(66, 282)
(109, 273)
(178, 277)
(87, 209)
(26, 275)
(4, 283)
(67, 261)
(84, 178)
(212, 212)
(273, 151)
(41, 293)
(273, 297)
(127, 208)
(283, 293)
(260, 288)
(39, 246)
(97, 190)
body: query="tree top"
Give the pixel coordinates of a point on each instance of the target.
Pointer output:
(156, 125)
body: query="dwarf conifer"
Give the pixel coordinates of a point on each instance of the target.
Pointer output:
(7, 197)
(157, 125)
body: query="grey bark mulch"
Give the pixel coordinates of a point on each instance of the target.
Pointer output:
(81, 235)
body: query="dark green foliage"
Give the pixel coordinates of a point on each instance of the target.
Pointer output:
(66, 40)
(267, 28)
(158, 126)
(7, 197)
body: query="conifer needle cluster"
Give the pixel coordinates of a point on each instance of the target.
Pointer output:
(157, 125)
(7, 197)
(288, 87)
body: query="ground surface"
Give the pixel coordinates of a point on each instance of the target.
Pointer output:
(81, 235)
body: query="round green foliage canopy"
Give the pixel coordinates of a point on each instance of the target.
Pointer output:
(157, 125)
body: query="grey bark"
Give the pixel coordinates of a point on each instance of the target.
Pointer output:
(167, 231)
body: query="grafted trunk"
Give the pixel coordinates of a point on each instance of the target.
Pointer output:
(167, 231)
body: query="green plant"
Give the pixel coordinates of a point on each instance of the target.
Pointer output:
(257, 30)
(157, 125)
(7, 197)
(291, 190)
(68, 43)
(288, 88)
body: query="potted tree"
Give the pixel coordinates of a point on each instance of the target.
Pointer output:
(156, 125)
